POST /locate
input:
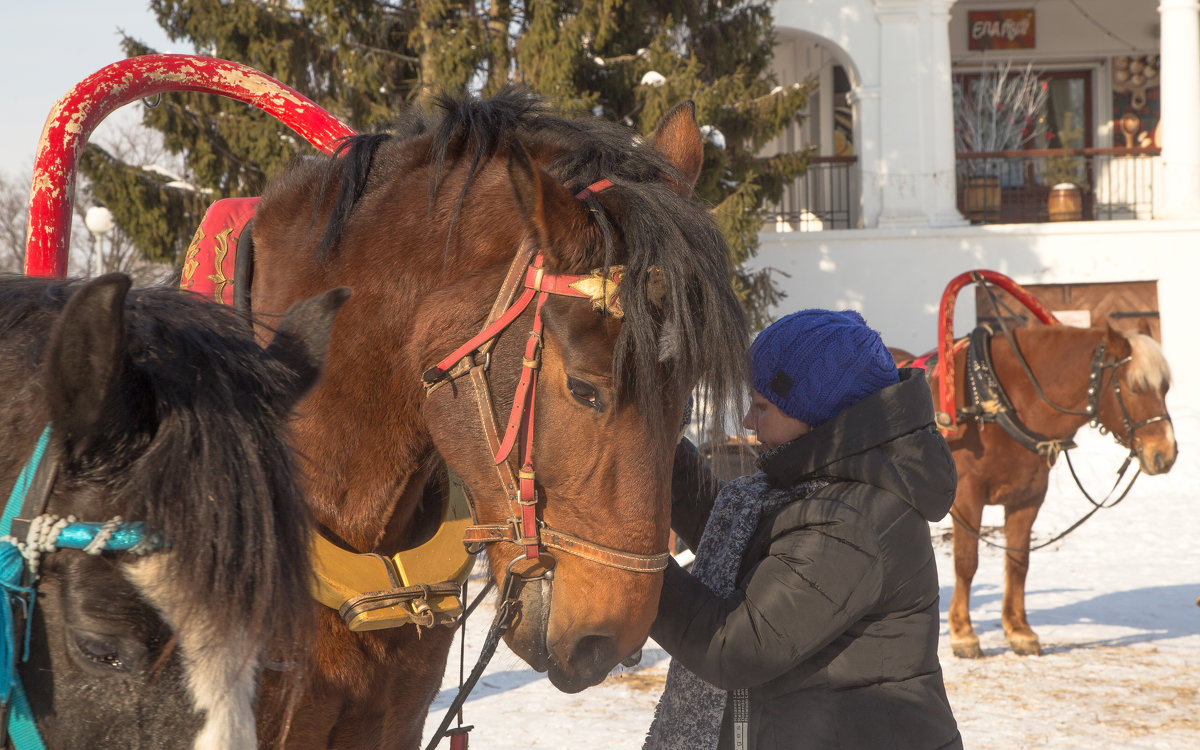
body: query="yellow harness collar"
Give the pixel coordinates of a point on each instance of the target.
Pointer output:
(372, 592)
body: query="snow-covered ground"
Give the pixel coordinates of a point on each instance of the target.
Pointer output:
(1114, 603)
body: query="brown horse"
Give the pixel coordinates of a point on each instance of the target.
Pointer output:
(1115, 379)
(424, 224)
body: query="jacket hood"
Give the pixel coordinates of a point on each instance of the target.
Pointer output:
(887, 440)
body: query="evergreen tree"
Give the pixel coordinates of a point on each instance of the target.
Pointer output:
(628, 60)
(632, 60)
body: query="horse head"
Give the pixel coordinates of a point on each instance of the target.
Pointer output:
(166, 422)
(1132, 398)
(614, 367)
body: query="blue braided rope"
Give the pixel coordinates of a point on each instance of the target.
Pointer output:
(125, 538)
(22, 729)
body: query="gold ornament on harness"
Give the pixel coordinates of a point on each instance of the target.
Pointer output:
(604, 292)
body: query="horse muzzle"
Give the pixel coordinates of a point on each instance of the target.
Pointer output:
(1155, 460)
(575, 659)
(1157, 450)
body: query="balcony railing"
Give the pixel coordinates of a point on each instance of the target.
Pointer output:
(826, 196)
(1000, 187)
(1006, 187)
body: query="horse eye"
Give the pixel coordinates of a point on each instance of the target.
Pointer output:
(102, 651)
(583, 392)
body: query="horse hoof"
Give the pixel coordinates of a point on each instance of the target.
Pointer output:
(966, 648)
(1026, 646)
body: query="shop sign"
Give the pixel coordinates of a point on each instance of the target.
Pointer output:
(1001, 29)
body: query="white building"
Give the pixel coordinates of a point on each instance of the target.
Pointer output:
(1123, 83)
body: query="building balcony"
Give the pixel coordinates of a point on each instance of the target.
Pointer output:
(1035, 186)
(1002, 187)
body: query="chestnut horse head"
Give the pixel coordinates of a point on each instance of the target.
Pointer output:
(1132, 405)
(440, 227)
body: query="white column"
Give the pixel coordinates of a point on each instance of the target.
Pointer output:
(867, 137)
(1180, 66)
(943, 196)
(904, 166)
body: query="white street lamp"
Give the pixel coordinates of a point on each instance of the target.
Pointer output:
(99, 221)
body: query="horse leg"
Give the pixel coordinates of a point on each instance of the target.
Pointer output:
(1018, 525)
(963, 641)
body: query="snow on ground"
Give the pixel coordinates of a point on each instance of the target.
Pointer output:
(1114, 603)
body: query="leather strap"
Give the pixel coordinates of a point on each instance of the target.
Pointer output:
(595, 187)
(530, 273)
(419, 594)
(560, 540)
(993, 404)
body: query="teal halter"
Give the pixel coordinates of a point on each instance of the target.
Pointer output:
(19, 587)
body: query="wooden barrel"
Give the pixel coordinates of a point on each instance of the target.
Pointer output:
(982, 198)
(1066, 202)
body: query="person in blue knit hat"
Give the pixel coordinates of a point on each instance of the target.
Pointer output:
(809, 618)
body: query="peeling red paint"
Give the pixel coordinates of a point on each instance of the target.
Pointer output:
(76, 115)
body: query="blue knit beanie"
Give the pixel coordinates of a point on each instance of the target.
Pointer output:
(813, 364)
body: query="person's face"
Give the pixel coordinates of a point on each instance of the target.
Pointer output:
(773, 427)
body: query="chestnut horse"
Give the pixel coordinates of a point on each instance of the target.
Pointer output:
(437, 227)
(160, 408)
(1115, 379)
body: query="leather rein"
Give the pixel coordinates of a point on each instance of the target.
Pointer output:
(528, 283)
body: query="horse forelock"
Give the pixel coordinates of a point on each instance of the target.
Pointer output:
(1148, 368)
(216, 477)
(697, 333)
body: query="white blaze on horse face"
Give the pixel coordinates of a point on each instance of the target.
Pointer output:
(220, 663)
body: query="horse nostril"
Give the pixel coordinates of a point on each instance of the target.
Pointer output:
(594, 653)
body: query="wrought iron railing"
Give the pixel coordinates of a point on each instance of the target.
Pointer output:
(1000, 187)
(826, 196)
(1006, 187)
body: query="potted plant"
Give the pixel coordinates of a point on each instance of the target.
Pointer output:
(998, 111)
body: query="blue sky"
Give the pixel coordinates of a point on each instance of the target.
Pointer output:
(46, 48)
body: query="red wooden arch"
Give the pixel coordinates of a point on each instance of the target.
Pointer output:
(947, 419)
(77, 114)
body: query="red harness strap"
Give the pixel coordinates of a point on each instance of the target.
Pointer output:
(538, 285)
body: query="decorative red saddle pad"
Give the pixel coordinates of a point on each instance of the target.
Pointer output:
(209, 263)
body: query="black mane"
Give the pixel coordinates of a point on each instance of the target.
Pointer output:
(195, 447)
(699, 333)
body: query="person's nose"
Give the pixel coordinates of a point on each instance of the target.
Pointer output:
(748, 422)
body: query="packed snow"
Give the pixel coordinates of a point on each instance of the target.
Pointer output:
(1114, 603)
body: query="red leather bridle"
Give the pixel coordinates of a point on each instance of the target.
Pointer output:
(525, 528)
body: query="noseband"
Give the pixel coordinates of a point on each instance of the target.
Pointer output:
(528, 278)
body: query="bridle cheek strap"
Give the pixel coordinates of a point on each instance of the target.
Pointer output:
(538, 285)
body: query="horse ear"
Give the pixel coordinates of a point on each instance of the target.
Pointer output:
(1114, 338)
(83, 362)
(678, 139)
(553, 213)
(302, 339)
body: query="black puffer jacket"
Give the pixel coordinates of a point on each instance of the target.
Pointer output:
(834, 626)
